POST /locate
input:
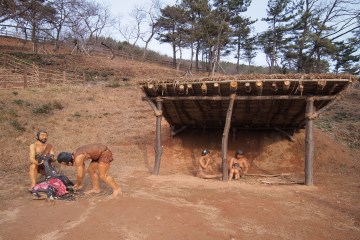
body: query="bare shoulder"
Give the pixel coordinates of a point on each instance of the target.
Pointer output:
(32, 146)
(244, 159)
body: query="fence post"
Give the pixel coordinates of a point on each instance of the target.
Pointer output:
(25, 77)
(64, 77)
(5, 59)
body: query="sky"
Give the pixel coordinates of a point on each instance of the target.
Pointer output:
(257, 10)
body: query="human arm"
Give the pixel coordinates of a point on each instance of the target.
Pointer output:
(230, 162)
(32, 154)
(245, 165)
(201, 163)
(52, 154)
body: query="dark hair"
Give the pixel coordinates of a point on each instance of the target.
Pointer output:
(205, 152)
(239, 152)
(39, 132)
(65, 157)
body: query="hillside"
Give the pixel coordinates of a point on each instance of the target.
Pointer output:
(173, 205)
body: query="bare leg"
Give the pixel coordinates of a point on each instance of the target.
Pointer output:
(202, 174)
(94, 178)
(231, 174)
(33, 175)
(103, 172)
(206, 176)
(237, 174)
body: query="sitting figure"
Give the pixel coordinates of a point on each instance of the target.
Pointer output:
(205, 169)
(55, 186)
(38, 150)
(238, 165)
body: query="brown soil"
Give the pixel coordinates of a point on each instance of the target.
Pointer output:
(175, 204)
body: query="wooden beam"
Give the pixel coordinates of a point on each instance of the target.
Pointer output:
(181, 89)
(189, 89)
(286, 85)
(274, 87)
(309, 143)
(217, 88)
(164, 90)
(300, 88)
(152, 89)
(203, 89)
(332, 89)
(317, 113)
(233, 87)
(176, 131)
(257, 98)
(247, 87)
(321, 85)
(225, 138)
(259, 87)
(158, 147)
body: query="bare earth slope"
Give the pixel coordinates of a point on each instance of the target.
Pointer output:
(173, 205)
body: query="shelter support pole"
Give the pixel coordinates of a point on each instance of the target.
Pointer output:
(158, 113)
(309, 142)
(158, 148)
(225, 138)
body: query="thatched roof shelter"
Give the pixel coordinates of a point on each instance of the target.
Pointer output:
(283, 102)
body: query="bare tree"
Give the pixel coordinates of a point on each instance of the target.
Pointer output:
(131, 32)
(88, 21)
(63, 11)
(152, 14)
(10, 9)
(332, 20)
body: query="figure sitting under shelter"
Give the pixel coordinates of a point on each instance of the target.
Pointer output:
(238, 165)
(205, 169)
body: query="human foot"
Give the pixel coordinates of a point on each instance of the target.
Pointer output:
(92, 191)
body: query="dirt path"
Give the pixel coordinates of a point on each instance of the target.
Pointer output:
(184, 207)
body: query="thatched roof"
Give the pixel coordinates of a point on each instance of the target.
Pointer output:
(262, 101)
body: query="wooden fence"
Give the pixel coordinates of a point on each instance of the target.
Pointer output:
(16, 73)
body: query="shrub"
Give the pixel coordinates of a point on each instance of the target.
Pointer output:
(113, 85)
(44, 109)
(48, 107)
(18, 102)
(17, 126)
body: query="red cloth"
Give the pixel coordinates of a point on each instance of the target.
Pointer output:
(54, 182)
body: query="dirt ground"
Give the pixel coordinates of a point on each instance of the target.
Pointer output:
(175, 204)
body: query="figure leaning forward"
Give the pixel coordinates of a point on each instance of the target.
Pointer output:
(101, 157)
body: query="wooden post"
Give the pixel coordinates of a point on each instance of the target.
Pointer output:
(25, 77)
(181, 89)
(64, 77)
(158, 148)
(274, 87)
(309, 143)
(233, 87)
(217, 88)
(247, 87)
(259, 87)
(321, 84)
(286, 85)
(203, 89)
(225, 138)
(5, 59)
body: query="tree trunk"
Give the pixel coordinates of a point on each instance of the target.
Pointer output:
(174, 55)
